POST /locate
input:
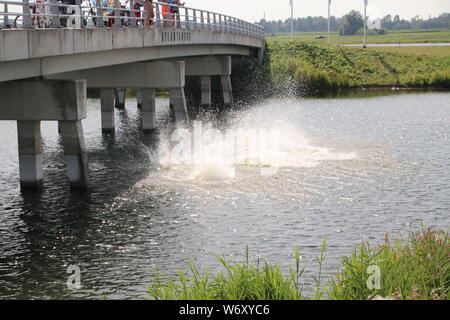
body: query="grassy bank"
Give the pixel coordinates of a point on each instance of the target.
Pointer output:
(311, 69)
(416, 269)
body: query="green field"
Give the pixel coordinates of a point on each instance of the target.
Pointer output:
(393, 36)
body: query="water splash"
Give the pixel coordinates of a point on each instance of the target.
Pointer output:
(222, 153)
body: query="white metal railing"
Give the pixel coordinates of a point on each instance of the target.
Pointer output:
(117, 13)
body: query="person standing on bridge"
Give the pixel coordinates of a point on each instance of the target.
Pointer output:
(149, 13)
(109, 12)
(165, 14)
(175, 13)
(138, 4)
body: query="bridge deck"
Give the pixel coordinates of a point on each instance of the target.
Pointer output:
(40, 52)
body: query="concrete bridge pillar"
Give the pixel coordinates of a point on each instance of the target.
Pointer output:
(227, 89)
(148, 109)
(30, 154)
(75, 154)
(179, 105)
(107, 107)
(206, 90)
(31, 101)
(120, 96)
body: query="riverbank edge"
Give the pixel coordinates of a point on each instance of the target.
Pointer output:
(417, 268)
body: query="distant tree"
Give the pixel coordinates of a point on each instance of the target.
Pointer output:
(351, 23)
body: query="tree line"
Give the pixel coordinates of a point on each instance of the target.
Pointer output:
(352, 22)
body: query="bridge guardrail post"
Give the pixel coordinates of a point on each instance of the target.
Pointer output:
(158, 22)
(26, 22)
(99, 20)
(187, 23)
(5, 17)
(202, 26)
(133, 23)
(77, 3)
(117, 19)
(194, 19)
(56, 19)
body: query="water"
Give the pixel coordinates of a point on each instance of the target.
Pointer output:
(351, 169)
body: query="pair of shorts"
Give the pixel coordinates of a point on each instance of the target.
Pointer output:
(165, 12)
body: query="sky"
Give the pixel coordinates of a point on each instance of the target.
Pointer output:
(253, 10)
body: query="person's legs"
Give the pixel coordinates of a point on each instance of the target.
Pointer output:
(165, 10)
(148, 6)
(137, 15)
(173, 17)
(110, 20)
(151, 14)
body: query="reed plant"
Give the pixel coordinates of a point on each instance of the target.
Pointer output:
(418, 269)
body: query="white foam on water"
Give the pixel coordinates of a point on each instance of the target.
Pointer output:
(222, 157)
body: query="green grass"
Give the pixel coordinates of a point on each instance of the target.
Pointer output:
(313, 69)
(393, 36)
(416, 269)
(239, 281)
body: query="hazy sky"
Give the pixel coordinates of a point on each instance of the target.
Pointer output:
(253, 10)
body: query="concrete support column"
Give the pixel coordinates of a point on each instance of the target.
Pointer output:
(31, 101)
(75, 154)
(120, 98)
(206, 90)
(107, 106)
(179, 105)
(30, 154)
(227, 89)
(148, 109)
(139, 98)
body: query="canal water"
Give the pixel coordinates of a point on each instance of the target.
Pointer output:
(351, 169)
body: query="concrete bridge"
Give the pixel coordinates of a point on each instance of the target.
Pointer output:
(50, 53)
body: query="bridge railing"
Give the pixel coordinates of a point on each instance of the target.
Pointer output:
(113, 13)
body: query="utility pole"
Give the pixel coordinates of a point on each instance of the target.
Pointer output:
(329, 22)
(366, 2)
(292, 19)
